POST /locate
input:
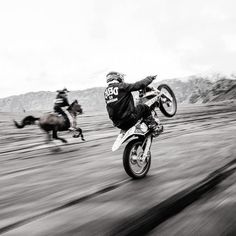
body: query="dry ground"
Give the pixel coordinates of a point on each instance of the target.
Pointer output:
(46, 191)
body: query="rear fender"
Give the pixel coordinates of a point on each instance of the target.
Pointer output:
(123, 136)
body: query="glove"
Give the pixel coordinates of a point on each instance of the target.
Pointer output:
(152, 77)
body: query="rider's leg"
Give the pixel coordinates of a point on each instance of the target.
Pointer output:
(143, 111)
(59, 110)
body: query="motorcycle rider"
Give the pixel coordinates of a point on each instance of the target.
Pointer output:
(62, 101)
(120, 103)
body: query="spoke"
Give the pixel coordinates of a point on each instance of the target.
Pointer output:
(136, 164)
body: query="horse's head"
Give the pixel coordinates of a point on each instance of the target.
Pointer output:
(75, 107)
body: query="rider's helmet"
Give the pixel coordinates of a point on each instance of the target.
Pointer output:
(63, 91)
(113, 75)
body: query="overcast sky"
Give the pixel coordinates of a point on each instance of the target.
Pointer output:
(49, 44)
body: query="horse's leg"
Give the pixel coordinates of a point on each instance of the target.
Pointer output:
(49, 137)
(82, 136)
(54, 135)
(79, 130)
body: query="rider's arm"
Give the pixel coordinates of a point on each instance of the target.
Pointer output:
(138, 85)
(66, 102)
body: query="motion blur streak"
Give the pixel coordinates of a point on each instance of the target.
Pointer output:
(35, 178)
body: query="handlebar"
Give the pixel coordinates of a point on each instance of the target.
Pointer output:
(148, 88)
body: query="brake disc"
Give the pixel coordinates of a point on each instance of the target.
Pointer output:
(140, 161)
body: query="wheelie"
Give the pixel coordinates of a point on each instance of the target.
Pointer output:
(139, 124)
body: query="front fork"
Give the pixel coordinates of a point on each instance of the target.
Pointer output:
(147, 144)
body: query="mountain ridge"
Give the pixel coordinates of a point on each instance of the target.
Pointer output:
(197, 89)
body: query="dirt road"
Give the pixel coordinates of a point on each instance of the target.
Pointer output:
(82, 188)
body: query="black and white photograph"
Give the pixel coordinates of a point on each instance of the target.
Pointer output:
(117, 118)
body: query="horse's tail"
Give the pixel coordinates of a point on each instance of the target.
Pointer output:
(28, 120)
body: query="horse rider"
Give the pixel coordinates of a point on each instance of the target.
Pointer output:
(120, 103)
(60, 102)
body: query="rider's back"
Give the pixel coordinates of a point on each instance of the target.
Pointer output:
(120, 102)
(61, 100)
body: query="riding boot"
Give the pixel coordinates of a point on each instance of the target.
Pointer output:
(153, 124)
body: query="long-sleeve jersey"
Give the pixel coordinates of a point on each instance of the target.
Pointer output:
(119, 99)
(61, 100)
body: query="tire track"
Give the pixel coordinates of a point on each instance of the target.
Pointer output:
(43, 147)
(103, 190)
(145, 222)
(71, 203)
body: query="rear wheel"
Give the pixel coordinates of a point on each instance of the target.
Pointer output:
(133, 164)
(168, 103)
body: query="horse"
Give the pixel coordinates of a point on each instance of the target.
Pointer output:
(51, 123)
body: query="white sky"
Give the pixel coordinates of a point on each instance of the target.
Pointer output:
(49, 44)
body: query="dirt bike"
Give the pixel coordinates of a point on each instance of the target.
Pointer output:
(137, 154)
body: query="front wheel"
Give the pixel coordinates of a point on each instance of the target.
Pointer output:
(168, 102)
(133, 164)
